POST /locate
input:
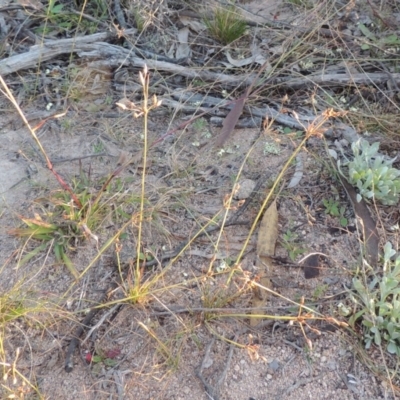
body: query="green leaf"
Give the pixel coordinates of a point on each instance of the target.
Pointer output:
(343, 222)
(392, 347)
(57, 9)
(58, 252)
(70, 265)
(390, 40)
(97, 359)
(377, 336)
(33, 253)
(110, 362)
(367, 323)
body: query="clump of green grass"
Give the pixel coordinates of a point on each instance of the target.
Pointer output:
(226, 26)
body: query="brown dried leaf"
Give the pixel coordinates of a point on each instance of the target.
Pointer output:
(230, 121)
(368, 225)
(267, 237)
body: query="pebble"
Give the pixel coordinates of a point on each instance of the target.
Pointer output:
(274, 365)
(331, 365)
(246, 187)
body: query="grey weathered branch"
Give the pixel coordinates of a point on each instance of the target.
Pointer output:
(94, 47)
(50, 49)
(335, 80)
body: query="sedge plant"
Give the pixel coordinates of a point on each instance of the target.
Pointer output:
(226, 26)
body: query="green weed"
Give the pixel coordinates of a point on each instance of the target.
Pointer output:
(290, 243)
(332, 208)
(378, 305)
(373, 174)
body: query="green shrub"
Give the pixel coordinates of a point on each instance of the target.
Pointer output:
(372, 174)
(378, 305)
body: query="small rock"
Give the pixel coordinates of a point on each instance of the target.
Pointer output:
(342, 352)
(331, 281)
(274, 365)
(246, 186)
(331, 365)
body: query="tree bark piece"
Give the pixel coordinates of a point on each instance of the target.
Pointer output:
(267, 237)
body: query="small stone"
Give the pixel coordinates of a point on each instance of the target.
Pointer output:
(323, 359)
(237, 368)
(246, 186)
(274, 365)
(331, 365)
(269, 377)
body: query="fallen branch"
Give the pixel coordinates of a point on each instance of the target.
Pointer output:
(93, 47)
(112, 56)
(334, 80)
(51, 49)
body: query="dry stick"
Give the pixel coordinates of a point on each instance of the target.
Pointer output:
(63, 160)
